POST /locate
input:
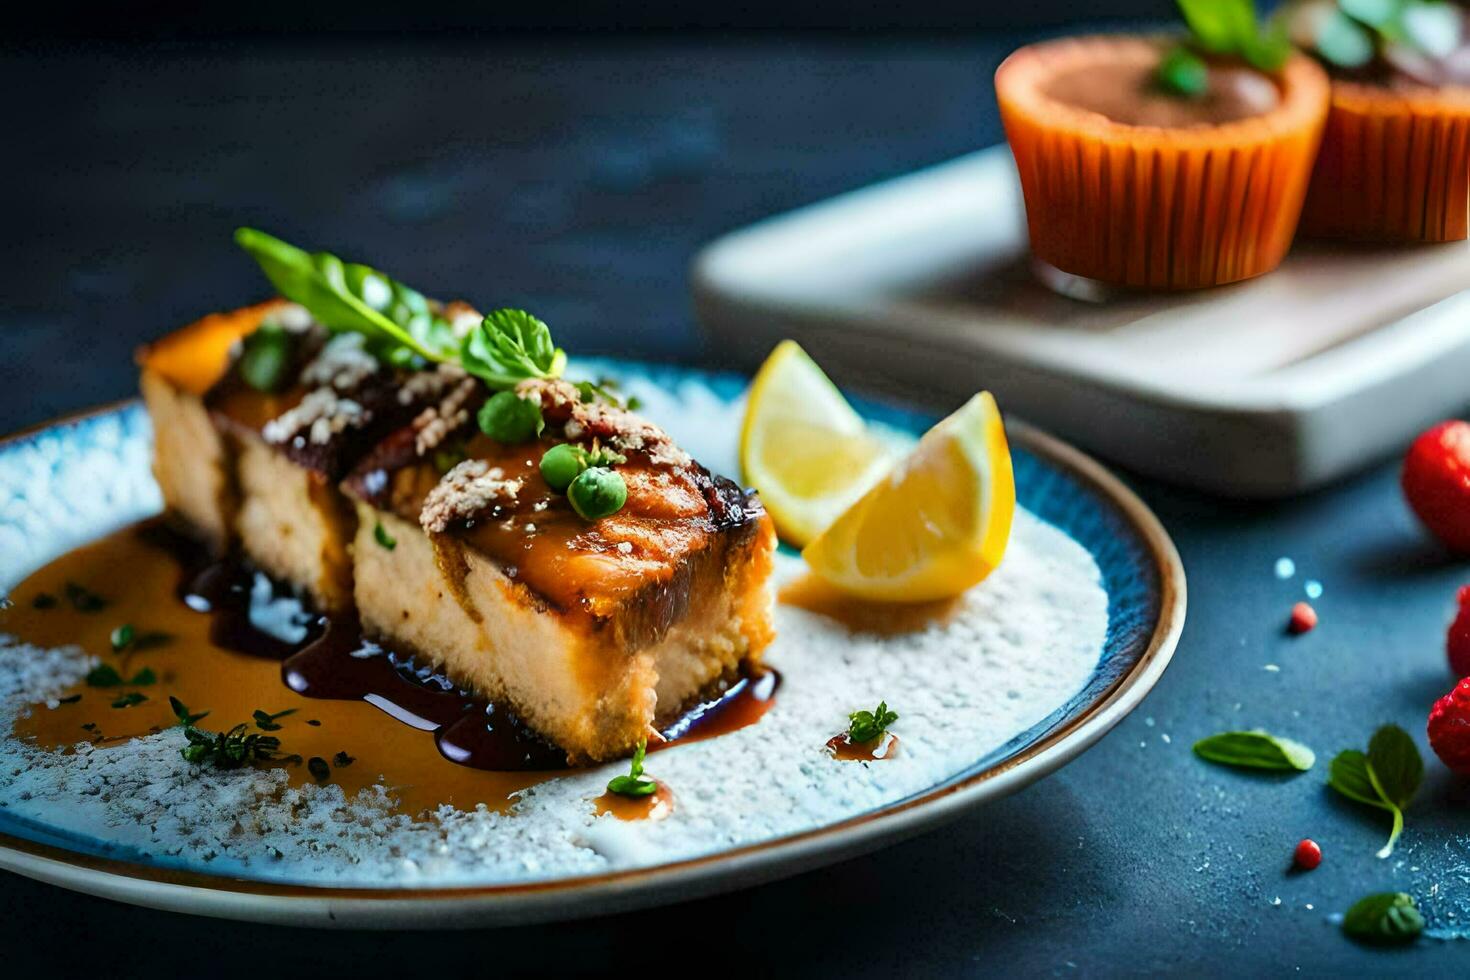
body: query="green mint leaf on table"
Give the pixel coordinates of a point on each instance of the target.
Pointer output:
(181, 712)
(384, 539)
(121, 638)
(104, 675)
(1395, 765)
(343, 296)
(507, 418)
(1255, 750)
(868, 726)
(1182, 72)
(635, 783)
(130, 699)
(510, 346)
(319, 769)
(1357, 776)
(1385, 919)
(265, 356)
(144, 677)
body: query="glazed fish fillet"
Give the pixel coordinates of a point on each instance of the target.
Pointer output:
(370, 488)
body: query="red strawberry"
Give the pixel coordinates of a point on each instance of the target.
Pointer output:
(1449, 728)
(1436, 481)
(1457, 643)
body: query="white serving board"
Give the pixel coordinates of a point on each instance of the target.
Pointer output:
(1262, 388)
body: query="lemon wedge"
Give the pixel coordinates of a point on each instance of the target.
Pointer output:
(936, 524)
(804, 447)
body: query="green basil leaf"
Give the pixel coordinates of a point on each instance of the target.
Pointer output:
(1182, 72)
(384, 539)
(1394, 762)
(510, 346)
(1255, 750)
(510, 419)
(1388, 918)
(338, 295)
(1348, 774)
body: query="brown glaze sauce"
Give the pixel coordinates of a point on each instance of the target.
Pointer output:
(881, 749)
(206, 648)
(655, 806)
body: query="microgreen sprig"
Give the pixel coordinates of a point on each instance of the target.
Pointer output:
(869, 726)
(635, 783)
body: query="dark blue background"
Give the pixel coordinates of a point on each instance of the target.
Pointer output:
(577, 176)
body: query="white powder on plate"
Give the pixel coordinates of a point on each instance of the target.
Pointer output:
(1019, 646)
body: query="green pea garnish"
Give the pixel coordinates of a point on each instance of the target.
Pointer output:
(562, 464)
(597, 493)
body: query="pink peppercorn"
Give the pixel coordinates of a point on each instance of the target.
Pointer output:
(1308, 855)
(1303, 618)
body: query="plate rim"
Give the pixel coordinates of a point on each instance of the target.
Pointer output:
(582, 896)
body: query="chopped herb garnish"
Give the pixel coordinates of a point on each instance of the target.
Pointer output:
(84, 599)
(43, 600)
(267, 722)
(384, 539)
(90, 726)
(1386, 777)
(319, 769)
(69, 699)
(130, 699)
(313, 722)
(181, 712)
(510, 419)
(635, 783)
(341, 760)
(144, 677)
(151, 640)
(104, 675)
(1385, 919)
(868, 726)
(447, 459)
(122, 638)
(229, 750)
(1255, 750)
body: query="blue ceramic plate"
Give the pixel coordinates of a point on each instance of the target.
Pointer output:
(79, 478)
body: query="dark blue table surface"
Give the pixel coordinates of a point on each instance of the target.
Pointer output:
(577, 179)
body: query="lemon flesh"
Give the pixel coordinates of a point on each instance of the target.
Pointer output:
(936, 524)
(804, 447)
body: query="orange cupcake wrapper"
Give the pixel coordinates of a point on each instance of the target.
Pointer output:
(1151, 207)
(1394, 166)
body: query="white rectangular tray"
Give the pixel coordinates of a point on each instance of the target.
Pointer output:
(1263, 388)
